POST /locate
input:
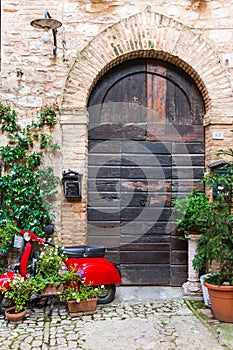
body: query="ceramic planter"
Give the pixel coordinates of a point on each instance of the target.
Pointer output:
(13, 317)
(84, 307)
(221, 298)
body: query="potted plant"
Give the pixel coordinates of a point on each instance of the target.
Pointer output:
(22, 290)
(192, 213)
(192, 220)
(216, 243)
(49, 278)
(81, 297)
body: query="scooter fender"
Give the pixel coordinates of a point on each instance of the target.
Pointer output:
(5, 279)
(96, 271)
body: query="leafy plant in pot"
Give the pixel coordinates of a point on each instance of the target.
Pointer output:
(192, 213)
(216, 243)
(22, 290)
(191, 218)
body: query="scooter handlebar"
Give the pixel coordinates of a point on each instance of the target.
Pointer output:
(32, 235)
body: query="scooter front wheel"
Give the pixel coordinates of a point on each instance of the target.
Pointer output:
(108, 294)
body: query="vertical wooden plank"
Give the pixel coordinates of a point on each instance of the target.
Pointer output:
(156, 93)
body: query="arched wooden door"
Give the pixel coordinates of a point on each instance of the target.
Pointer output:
(146, 147)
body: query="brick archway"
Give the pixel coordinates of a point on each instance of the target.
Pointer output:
(149, 34)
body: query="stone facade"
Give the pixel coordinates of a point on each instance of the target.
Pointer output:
(95, 36)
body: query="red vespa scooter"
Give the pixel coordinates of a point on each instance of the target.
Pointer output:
(90, 259)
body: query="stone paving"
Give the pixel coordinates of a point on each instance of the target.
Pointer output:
(127, 323)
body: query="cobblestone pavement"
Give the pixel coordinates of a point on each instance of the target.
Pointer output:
(127, 323)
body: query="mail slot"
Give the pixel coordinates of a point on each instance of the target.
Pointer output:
(72, 184)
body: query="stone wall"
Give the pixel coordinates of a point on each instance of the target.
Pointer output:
(95, 35)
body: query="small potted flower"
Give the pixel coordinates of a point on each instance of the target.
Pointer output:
(81, 298)
(22, 290)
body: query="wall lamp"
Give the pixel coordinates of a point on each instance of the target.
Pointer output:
(47, 23)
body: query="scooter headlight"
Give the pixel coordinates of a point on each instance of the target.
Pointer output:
(26, 237)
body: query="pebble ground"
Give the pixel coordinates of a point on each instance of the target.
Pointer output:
(129, 322)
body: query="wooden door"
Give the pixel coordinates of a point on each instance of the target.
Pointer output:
(146, 147)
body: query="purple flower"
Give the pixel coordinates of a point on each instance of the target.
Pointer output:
(34, 296)
(28, 275)
(80, 273)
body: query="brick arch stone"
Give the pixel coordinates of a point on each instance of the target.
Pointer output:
(149, 34)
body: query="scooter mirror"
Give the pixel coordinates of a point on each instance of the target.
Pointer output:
(49, 230)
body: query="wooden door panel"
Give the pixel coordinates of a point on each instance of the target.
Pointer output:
(185, 186)
(145, 257)
(186, 173)
(146, 231)
(147, 147)
(175, 95)
(146, 274)
(102, 185)
(149, 173)
(156, 93)
(177, 107)
(114, 131)
(190, 160)
(109, 214)
(130, 213)
(145, 246)
(188, 148)
(171, 132)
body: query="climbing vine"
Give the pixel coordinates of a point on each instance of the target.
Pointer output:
(26, 187)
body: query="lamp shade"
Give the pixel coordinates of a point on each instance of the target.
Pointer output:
(43, 23)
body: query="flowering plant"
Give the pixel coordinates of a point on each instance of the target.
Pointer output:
(76, 288)
(22, 291)
(48, 267)
(83, 292)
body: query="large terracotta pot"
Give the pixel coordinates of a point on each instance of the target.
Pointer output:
(84, 307)
(13, 317)
(221, 298)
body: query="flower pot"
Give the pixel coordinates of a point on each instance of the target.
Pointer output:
(84, 307)
(221, 298)
(13, 317)
(51, 289)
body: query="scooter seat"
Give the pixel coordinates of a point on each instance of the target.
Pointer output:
(84, 251)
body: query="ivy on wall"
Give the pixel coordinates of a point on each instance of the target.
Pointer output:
(26, 187)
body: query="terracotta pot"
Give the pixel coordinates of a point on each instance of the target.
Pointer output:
(221, 298)
(51, 289)
(13, 317)
(84, 307)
